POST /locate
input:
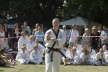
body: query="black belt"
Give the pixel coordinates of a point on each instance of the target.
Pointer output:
(56, 50)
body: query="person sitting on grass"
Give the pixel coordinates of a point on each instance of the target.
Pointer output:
(92, 55)
(37, 53)
(105, 48)
(72, 56)
(4, 61)
(85, 56)
(100, 57)
(23, 56)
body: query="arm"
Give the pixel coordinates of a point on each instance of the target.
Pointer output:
(48, 37)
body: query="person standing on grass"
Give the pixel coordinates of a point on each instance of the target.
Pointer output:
(74, 35)
(95, 39)
(55, 39)
(100, 57)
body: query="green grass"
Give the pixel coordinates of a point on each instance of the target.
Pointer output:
(40, 68)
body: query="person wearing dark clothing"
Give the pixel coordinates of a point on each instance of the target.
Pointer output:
(95, 39)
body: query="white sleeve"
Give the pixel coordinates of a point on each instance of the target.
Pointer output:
(45, 37)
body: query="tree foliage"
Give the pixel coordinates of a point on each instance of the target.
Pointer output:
(44, 11)
(96, 10)
(33, 11)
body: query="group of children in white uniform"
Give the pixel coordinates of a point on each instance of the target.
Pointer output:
(79, 54)
(29, 50)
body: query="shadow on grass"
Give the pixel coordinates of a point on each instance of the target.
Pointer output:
(84, 65)
(6, 67)
(31, 63)
(1, 70)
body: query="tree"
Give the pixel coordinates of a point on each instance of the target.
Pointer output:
(95, 10)
(43, 11)
(33, 11)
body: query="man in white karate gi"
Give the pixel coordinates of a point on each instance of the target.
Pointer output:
(23, 55)
(55, 39)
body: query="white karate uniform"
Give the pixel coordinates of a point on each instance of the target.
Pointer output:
(84, 58)
(54, 66)
(92, 56)
(79, 49)
(30, 45)
(23, 57)
(22, 41)
(37, 55)
(73, 58)
(98, 57)
(106, 56)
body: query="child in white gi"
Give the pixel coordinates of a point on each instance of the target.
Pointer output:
(78, 47)
(72, 56)
(92, 56)
(22, 40)
(85, 56)
(92, 53)
(100, 57)
(36, 54)
(35, 50)
(105, 53)
(23, 56)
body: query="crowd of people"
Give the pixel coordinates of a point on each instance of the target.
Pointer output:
(26, 45)
(89, 48)
(22, 43)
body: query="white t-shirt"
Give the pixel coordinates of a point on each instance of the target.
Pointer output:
(74, 35)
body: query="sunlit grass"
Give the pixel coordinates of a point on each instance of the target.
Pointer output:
(41, 68)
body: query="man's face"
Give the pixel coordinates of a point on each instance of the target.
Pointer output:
(56, 23)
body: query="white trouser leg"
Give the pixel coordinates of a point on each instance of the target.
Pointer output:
(48, 63)
(55, 67)
(48, 67)
(56, 62)
(52, 66)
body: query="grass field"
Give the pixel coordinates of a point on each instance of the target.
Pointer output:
(40, 68)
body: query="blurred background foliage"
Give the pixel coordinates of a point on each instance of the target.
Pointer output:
(43, 11)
